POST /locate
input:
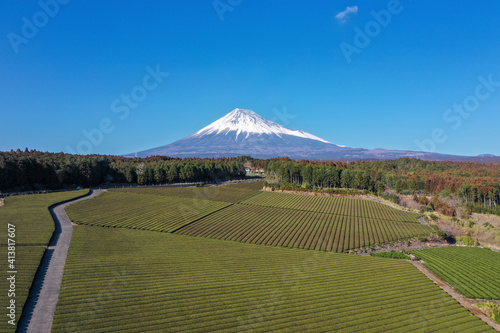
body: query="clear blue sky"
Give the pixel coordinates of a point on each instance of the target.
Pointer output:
(259, 55)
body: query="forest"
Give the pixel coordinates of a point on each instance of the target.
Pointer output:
(28, 170)
(476, 184)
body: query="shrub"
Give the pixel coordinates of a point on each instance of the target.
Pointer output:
(391, 197)
(492, 309)
(467, 241)
(471, 223)
(444, 193)
(424, 209)
(440, 233)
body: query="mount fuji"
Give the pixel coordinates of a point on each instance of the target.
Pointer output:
(244, 132)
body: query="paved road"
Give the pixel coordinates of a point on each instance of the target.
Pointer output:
(44, 292)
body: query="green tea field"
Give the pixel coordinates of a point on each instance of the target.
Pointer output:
(139, 281)
(300, 229)
(332, 205)
(31, 216)
(228, 193)
(33, 229)
(472, 271)
(140, 211)
(242, 213)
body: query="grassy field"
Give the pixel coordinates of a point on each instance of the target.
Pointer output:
(139, 211)
(472, 271)
(300, 229)
(139, 281)
(33, 229)
(332, 205)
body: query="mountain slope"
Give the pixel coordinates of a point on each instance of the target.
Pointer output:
(244, 132)
(246, 123)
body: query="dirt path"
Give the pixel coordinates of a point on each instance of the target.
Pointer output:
(464, 301)
(44, 293)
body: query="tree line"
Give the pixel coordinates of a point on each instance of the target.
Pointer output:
(476, 184)
(322, 175)
(28, 170)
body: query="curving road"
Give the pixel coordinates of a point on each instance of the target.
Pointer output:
(44, 293)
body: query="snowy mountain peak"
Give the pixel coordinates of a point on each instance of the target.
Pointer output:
(246, 122)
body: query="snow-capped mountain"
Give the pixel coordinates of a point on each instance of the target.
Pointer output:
(244, 132)
(246, 123)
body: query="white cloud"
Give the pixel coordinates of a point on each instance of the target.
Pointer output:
(342, 16)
